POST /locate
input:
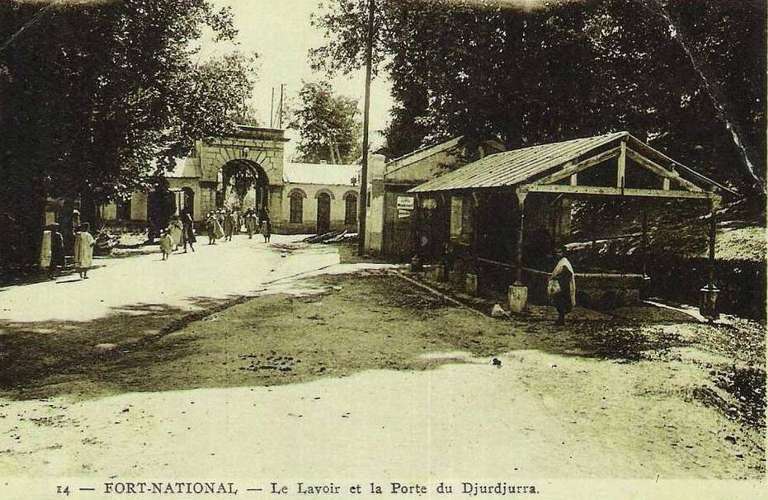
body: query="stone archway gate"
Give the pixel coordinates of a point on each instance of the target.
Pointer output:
(262, 146)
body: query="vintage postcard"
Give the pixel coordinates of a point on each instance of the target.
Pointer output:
(382, 249)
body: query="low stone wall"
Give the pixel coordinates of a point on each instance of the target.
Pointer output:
(593, 290)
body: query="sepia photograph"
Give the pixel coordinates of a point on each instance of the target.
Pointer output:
(383, 249)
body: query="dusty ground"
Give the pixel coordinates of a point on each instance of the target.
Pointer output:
(363, 375)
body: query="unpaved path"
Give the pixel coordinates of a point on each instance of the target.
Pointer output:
(115, 285)
(360, 378)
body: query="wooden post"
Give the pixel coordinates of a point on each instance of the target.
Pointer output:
(712, 234)
(709, 293)
(475, 232)
(416, 226)
(645, 239)
(622, 166)
(520, 231)
(366, 119)
(517, 293)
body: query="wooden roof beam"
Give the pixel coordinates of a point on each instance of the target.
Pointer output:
(614, 191)
(660, 171)
(574, 168)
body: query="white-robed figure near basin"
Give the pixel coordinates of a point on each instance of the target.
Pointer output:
(562, 286)
(83, 248)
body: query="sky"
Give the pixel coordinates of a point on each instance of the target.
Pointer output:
(281, 33)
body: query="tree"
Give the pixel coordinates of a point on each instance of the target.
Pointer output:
(100, 105)
(327, 124)
(568, 69)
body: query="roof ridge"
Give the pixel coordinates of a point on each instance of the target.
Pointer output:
(425, 148)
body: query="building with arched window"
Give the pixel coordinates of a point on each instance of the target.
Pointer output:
(247, 170)
(320, 197)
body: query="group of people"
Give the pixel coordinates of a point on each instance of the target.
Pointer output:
(53, 252)
(219, 224)
(179, 233)
(224, 223)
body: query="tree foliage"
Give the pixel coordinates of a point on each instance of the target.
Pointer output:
(682, 74)
(327, 123)
(97, 98)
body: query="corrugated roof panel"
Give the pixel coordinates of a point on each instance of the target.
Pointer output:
(513, 167)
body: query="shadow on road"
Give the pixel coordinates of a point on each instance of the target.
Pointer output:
(356, 323)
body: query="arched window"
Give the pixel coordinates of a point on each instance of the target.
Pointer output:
(350, 213)
(297, 206)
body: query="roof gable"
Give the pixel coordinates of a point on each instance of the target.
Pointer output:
(554, 162)
(421, 154)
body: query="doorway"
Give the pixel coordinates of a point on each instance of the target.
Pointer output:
(323, 213)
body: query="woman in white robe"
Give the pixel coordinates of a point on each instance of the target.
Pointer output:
(177, 229)
(84, 243)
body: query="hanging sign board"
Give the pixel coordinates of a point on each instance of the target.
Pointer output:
(405, 203)
(403, 214)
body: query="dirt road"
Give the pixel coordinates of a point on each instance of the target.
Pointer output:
(353, 378)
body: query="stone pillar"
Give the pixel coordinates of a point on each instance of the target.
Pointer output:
(275, 203)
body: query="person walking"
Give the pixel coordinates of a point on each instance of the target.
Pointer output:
(562, 286)
(45, 249)
(84, 243)
(57, 251)
(188, 230)
(266, 228)
(177, 230)
(251, 223)
(238, 220)
(229, 225)
(210, 227)
(215, 231)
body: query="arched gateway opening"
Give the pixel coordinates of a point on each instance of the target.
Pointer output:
(243, 184)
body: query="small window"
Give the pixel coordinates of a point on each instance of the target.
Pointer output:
(297, 207)
(350, 214)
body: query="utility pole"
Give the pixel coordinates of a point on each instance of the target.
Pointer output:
(272, 109)
(366, 119)
(280, 112)
(330, 149)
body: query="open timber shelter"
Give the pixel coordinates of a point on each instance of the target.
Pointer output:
(497, 220)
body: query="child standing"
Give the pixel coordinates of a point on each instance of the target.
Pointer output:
(166, 244)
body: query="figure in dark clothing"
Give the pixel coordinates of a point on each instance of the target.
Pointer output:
(251, 222)
(562, 286)
(57, 251)
(266, 229)
(188, 230)
(229, 225)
